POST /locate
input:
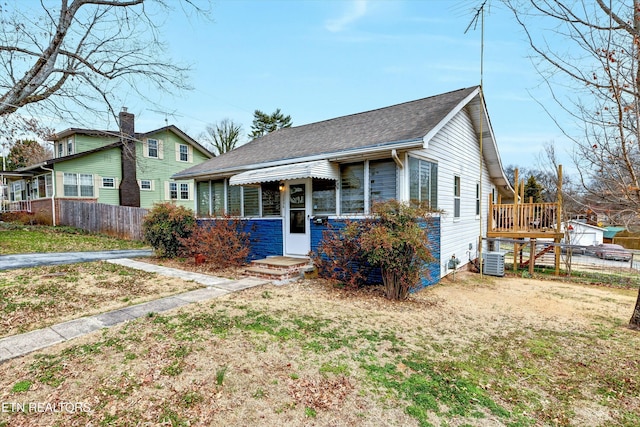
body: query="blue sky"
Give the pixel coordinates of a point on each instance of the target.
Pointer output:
(320, 59)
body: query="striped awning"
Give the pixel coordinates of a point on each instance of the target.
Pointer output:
(318, 169)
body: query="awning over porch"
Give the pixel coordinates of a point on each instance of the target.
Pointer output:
(323, 169)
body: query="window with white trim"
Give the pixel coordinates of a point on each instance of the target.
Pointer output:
(477, 199)
(456, 196)
(179, 191)
(183, 152)
(60, 149)
(69, 146)
(352, 188)
(382, 181)
(423, 182)
(145, 184)
(70, 183)
(152, 148)
(108, 182)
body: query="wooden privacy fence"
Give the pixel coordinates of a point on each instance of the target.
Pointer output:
(121, 221)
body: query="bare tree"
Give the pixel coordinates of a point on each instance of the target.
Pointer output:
(74, 55)
(222, 136)
(593, 48)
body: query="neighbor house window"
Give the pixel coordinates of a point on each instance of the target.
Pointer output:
(42, 185)
(48, 180)
(70, 182)
(69, 146)
(382, 180)
(173, 190)
(456, 197)
(86, 185)
(184, 191)
(108, 182)
(184, 152)
(423, 182)
(152, 148)
(145, 184)
(352, 188)
(77, 184)
(60, 149)
(324, 196)
(34, 189)
(179, 191)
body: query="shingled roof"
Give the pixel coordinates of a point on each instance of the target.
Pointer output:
(406, 122)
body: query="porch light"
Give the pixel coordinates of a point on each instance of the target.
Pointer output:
(281, 186)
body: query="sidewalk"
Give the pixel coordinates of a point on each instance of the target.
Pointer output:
(20, 345)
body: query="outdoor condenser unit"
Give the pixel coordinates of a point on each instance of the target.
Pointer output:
(494, 264)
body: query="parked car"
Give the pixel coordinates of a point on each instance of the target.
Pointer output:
(611, 251)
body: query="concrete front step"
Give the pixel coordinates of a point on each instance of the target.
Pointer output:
(279, 269)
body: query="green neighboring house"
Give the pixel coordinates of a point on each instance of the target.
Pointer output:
(112, 167)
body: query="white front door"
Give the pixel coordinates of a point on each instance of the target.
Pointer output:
(297, 236)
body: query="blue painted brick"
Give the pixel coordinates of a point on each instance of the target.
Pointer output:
(433, 269)
(265, 236)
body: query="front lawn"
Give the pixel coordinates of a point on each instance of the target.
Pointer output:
(17, 239)
(33, 298)
(497, 352)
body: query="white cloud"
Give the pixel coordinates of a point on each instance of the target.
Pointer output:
(356, 10)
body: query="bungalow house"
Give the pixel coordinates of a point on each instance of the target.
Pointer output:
(113, 167)
(290, 183)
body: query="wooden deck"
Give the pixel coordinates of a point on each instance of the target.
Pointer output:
(524, 220)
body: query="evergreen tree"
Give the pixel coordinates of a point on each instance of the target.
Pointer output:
(266, 123)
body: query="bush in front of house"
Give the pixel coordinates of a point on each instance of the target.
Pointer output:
(397, 242)
(395, 239)
(164, 227)
(220, 243)
(339, 256)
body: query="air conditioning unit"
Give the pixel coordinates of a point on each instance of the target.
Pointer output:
(494, 263)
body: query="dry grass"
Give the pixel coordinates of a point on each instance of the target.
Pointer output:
(491, 353)
(37, 297)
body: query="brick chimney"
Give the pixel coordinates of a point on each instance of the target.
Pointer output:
(129, 189)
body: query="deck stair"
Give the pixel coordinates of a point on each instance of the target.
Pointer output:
(279, 269)
(538, 255)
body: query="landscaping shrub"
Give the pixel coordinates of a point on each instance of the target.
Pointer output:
(339, 256)
(221, 243)
(164, 227)
(393, 240)
(398, 243)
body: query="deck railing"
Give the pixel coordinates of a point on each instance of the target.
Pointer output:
(21, 206)
(523, 217)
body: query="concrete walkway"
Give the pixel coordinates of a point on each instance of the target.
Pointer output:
(20, 345)
(9, 262)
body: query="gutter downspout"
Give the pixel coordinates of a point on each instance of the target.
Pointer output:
(53, 195)
(394, 154)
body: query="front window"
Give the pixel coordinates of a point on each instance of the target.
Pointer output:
(271, 199)
(184, 153)
(250, 200)
(352, 188)
(383, 181)
(152, 148)
(323, 196)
